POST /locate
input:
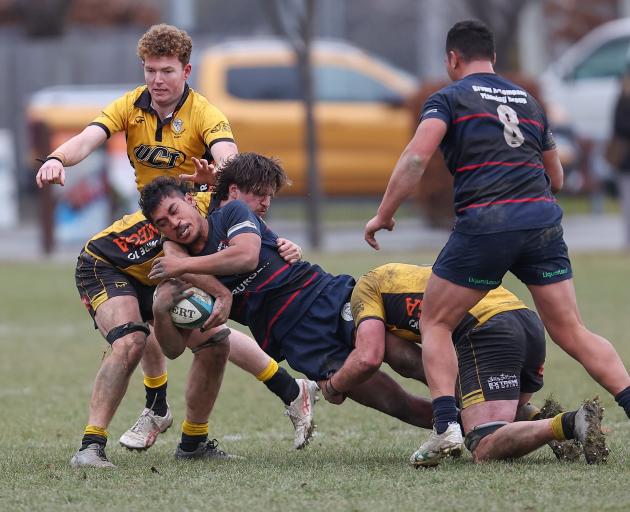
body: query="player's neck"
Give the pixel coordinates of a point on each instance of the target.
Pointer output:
(476, 66)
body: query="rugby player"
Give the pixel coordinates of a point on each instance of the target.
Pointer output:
(500, 348)
(296, 312)
(497, 144)
(168, 127)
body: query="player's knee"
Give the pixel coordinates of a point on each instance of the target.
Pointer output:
(130, 347)
(479, 440)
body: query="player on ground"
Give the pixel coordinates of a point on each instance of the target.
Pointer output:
(296, 312)
(497, 144)
(500, 347)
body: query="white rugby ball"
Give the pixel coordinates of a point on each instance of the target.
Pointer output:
(192, 312)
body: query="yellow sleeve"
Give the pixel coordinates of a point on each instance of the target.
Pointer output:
(114, 117)
(366, 301)
(214, 126)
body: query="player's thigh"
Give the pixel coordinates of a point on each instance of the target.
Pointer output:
(557, 306)
(488, 412)
(117, 311)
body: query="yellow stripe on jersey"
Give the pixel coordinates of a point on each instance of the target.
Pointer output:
(394, 294)
(164, 149)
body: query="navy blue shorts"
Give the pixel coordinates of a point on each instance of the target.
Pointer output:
(322, 339)
(535, 256)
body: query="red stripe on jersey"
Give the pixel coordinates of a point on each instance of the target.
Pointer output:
(265, 342)
(272, 277)
(523, 200)
(531, 121)
(507, 164)
(473, 116)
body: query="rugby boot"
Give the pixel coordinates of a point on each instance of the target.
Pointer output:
(450, 442)
(588, 430)
(145, 430)
(93, 456)
(300, 412)
(205, 450)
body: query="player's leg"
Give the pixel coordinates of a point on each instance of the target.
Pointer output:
(557, 306)
(111, 300)
(384, 394)
(298, 395)
(210, 355)
(156, 417)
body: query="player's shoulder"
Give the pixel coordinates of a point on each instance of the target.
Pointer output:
(200, 103)
(133, 95)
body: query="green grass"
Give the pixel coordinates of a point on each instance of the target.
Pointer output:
(357, 461)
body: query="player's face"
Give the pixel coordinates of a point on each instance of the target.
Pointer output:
(165, 77)
(258, 203)
(178, 219)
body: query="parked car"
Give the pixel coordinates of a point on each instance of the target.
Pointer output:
(581, 87)
(362, 123)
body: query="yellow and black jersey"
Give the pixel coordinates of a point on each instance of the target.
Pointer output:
(132, 243)
(394, 292)
(165, 148)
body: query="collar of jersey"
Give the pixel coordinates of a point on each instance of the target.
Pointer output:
(144, 102)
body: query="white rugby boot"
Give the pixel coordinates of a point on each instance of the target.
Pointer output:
(450, 442)
(300, 411)
(145, 430)
(91, 457)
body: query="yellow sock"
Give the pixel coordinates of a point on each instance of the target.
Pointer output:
(270, 371)
(94, 431)
(194, 429)
(155, 382)
(556, 427)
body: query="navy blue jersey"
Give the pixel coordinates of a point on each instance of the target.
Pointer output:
(493, 147)
(273, 298)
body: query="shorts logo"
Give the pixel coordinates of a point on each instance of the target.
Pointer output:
(346, 312)
(120, 284)
(503, 381)
(177, 124)
(159, 157)
(560, 272)
(487, 282)
(221, 127)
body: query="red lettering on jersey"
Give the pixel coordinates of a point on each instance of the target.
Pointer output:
(413, 305)
(121, 243)
(145, 234)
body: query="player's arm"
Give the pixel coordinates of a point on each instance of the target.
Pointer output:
(167, 294)
(69, 153)
(553, 168)
(361, 364)
(222, 151)
(406, 175)
(240, 256)
(210, 284)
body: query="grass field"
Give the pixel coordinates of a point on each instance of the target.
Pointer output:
(357, 461)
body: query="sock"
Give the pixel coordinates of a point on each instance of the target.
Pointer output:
(155, 388)
(279, 382)
(623, 399)
(93, 434)
(192, 435)
(444, 412)
(563, 426)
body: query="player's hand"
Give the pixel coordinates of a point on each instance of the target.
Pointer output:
(166, 267)
(220, 311)
(51, 173)
(376, 224)
(168, 293)
(329, 394)
(205, 173)
(289, 251)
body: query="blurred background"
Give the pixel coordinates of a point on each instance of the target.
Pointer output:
(333, 88)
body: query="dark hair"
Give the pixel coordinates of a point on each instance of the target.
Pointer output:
(472, 39)
(152, 194)
(250, 172)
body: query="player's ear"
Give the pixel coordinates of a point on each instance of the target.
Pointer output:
(233, 191)
(190, 199)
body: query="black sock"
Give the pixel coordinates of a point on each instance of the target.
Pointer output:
(156, 399)
(190, 443)
(284, 386)
(444, 412)
(623, 399)
(89, 439)
(568, 424)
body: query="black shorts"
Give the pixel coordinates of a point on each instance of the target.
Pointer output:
(501, 358)
(98, 281)
(322, 339)
(535, 256)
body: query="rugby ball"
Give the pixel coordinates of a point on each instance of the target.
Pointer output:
(192, 312)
